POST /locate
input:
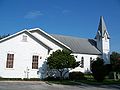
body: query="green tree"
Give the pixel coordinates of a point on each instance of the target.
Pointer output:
(114, 56)
(61, 60)
(115, 61)
(3, 36)
(99, 70)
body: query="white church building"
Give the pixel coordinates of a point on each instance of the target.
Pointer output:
(24, 54)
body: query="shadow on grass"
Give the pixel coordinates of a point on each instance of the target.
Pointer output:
(105, 82)
(89, 83)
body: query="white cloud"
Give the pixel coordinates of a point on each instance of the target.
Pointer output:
(66, 11)
(33, 14)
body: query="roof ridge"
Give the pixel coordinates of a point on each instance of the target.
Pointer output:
(24, 30)
(50, 36)
(79, 45)
(72, 36)
(20, 32)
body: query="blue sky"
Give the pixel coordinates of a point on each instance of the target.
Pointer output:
(78, 18)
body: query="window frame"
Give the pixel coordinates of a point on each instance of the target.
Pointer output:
(35, 59)
(10, 60)
(82, 62)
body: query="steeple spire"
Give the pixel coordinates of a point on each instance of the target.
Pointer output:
(102, 39)
(102, 30)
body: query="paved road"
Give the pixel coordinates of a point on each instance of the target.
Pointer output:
(39, 85)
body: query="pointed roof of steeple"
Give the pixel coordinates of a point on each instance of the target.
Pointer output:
(102, 30)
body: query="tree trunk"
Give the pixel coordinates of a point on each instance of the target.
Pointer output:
(61, 75)
(65, 73)
(115, 78)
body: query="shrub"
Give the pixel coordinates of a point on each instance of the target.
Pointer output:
(111, 75)
(99, 70)
(76, 76)
(20, 79)
(52, 78)
(31, 79)
(11, 79)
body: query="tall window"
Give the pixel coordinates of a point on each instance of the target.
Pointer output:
(35, 62)
(106, 38)
(82, 62)
(10, 59)
(91, 61)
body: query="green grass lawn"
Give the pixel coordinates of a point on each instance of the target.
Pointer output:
(105, 82)
(89, 80)
(64, 82)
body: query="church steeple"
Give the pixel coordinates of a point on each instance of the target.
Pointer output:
(102, 30)
(102, 39)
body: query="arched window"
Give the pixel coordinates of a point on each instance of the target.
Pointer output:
(106, 37)
(82, 62)
(91, 61)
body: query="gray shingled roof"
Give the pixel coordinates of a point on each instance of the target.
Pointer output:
(78, 45)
